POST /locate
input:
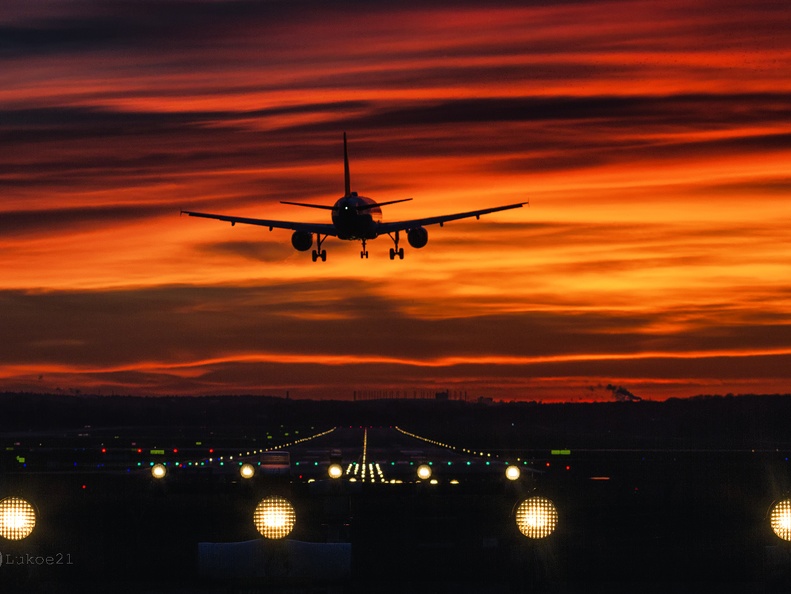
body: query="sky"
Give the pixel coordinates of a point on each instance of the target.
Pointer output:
(652, 140)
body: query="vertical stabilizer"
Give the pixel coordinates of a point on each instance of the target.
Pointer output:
(348, 186)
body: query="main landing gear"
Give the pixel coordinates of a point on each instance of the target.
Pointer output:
(396, 251)
(364, 252)
(318, 252)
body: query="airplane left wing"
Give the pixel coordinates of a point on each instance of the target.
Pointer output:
(442, 219)
(323, 229)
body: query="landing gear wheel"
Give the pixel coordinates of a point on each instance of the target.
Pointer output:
(319, 253)
(364, 254)
(322, 254)
(396, 251)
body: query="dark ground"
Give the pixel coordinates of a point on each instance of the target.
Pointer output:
(652, 496)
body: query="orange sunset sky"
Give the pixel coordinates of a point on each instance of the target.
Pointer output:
(652, 139)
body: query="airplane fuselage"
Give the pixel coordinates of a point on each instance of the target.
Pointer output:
(356, 217)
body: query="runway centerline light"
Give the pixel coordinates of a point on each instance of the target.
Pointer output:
(536, 517)
(335, 471)
(512, 473)
(424, 472)
(158, 471)
(274, 517)
(780, 519)
(247, 471)
(17, 518)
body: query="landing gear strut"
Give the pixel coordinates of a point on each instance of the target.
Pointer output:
(318, 252)
(396, 251)
(364, 252)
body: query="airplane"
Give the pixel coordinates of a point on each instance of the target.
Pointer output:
(354, 218)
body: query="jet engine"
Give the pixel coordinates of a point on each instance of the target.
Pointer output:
(418, 237)
(302, 240)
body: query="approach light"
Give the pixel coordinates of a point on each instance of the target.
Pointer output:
(424, 472)
(17, 518)
(335, 471)
(274, 517)
(536, 517)
(247, 471)
(158, 471)
(780, 519)
(512, 473)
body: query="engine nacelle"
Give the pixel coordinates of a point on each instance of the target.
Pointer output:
(418, 237)
(302, 240)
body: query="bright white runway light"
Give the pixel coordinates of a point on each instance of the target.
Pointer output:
(274, 517)
(424, 472)
(158, 471)
(536, 517)
(335, 471)
(17, 518)
(247, 471)
(780, 519)
(512, 473)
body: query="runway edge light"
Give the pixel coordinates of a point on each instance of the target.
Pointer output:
(274, 517)
(17, 518)
(335, 471)
(536, 517)
(780, 519)
(247, 471)
(424, 472)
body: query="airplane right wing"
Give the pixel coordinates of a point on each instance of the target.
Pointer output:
(441, 219)
(323, 229)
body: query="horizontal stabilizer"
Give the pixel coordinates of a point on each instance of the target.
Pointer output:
(363, 207)
(321, 206)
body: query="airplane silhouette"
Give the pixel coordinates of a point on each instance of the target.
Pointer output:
(354, 218)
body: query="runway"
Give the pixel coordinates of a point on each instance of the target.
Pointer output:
(648, 518)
